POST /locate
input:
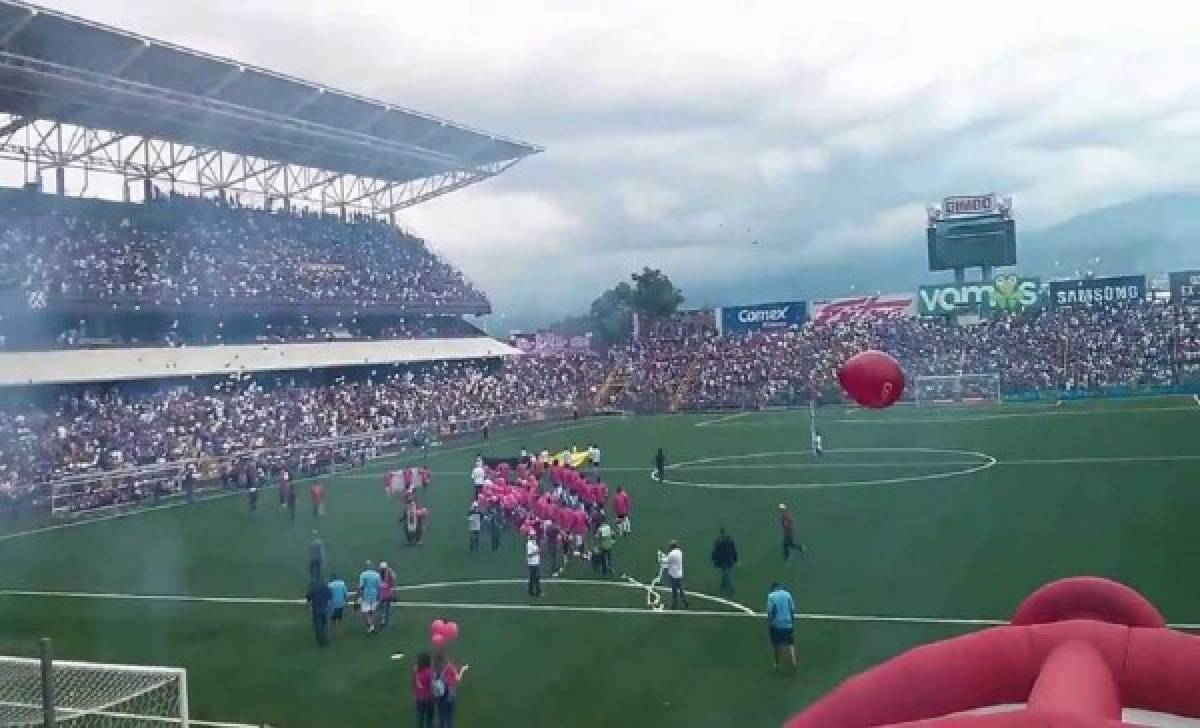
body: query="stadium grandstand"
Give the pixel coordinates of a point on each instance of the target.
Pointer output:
(206, 293)
(251, 266)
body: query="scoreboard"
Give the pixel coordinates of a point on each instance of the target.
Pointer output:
(971, 232)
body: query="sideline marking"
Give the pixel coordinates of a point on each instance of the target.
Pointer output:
(984, 462)
(747, 614)
(83, 521)
(723, 418)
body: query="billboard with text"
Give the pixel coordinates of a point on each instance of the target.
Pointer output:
(1003, 293)
(1185, 286)
(862, 308)
(1097, 292)
(784, 315)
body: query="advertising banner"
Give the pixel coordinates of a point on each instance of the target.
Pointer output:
(863, 308)
(1097, 292)
(1004, 293)
(762, 316)
(1185, 286)
(969, 205)
(548, 343)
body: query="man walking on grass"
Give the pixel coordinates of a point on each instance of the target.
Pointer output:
(533, 561)
(675, 574)
(788, 525)
(316, 556)
(604, 542)
(319, 598)
(724, 557)
(368, 595)
(781, 611)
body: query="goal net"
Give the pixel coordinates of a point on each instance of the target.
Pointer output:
(87, 694)
(971, 388)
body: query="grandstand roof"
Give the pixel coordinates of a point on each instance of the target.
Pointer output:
(59, 67)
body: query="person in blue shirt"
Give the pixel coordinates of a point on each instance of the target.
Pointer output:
(368, 595)
(781, 610)
(339, 595)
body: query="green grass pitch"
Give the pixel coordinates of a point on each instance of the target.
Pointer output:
(955, 512)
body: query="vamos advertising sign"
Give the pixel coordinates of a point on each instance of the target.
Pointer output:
(1097, 292)
(761, 316)
(1005, 293)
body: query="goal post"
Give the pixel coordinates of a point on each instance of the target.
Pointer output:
(90, 694)
(956, 389)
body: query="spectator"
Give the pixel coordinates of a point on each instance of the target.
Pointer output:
(724, 558)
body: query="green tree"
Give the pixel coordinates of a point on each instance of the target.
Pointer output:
(612, 314)
(654, 295)
(650, 294)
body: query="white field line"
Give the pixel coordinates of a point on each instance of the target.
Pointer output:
(723, 418)
(791, 420)
(748, 613)
(1115, 459)
(218, 496)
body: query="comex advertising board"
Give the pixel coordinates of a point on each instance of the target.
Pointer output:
(782, 315)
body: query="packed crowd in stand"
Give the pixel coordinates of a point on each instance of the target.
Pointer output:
(180, 251)
(87, 430)
(1134, 345)
(681, 362)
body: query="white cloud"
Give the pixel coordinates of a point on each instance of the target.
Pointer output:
(679, 132)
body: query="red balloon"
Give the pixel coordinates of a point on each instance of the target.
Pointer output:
(872, 378)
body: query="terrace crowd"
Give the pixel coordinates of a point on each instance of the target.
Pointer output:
(181, 251)
(89, 430)
(686, 364)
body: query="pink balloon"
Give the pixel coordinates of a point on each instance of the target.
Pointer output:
(438, 640)
(451, 631)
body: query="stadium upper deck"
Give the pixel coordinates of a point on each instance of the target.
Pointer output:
(149, 110)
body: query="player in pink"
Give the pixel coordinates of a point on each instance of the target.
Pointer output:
(389, 483)
(317, 494)
(426, 476)
(621, 508)
(408, 479)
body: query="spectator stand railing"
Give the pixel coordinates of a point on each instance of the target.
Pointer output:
(98, 492)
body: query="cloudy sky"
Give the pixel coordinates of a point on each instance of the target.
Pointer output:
(751, 150)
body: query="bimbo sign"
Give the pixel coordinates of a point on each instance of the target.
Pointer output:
(969, 205)
(1005, 293)
(762, 316)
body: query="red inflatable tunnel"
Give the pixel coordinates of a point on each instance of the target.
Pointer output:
(1078, 651)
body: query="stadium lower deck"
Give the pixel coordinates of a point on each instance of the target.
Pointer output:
(920, 523)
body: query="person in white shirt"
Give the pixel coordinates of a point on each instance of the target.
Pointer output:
(478, 476)
(594, 456)
(533, 559)
(675, 574)
(816, 444)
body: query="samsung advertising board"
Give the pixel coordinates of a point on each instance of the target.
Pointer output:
(1185, 286)
(1097, 292)
(785, 315)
